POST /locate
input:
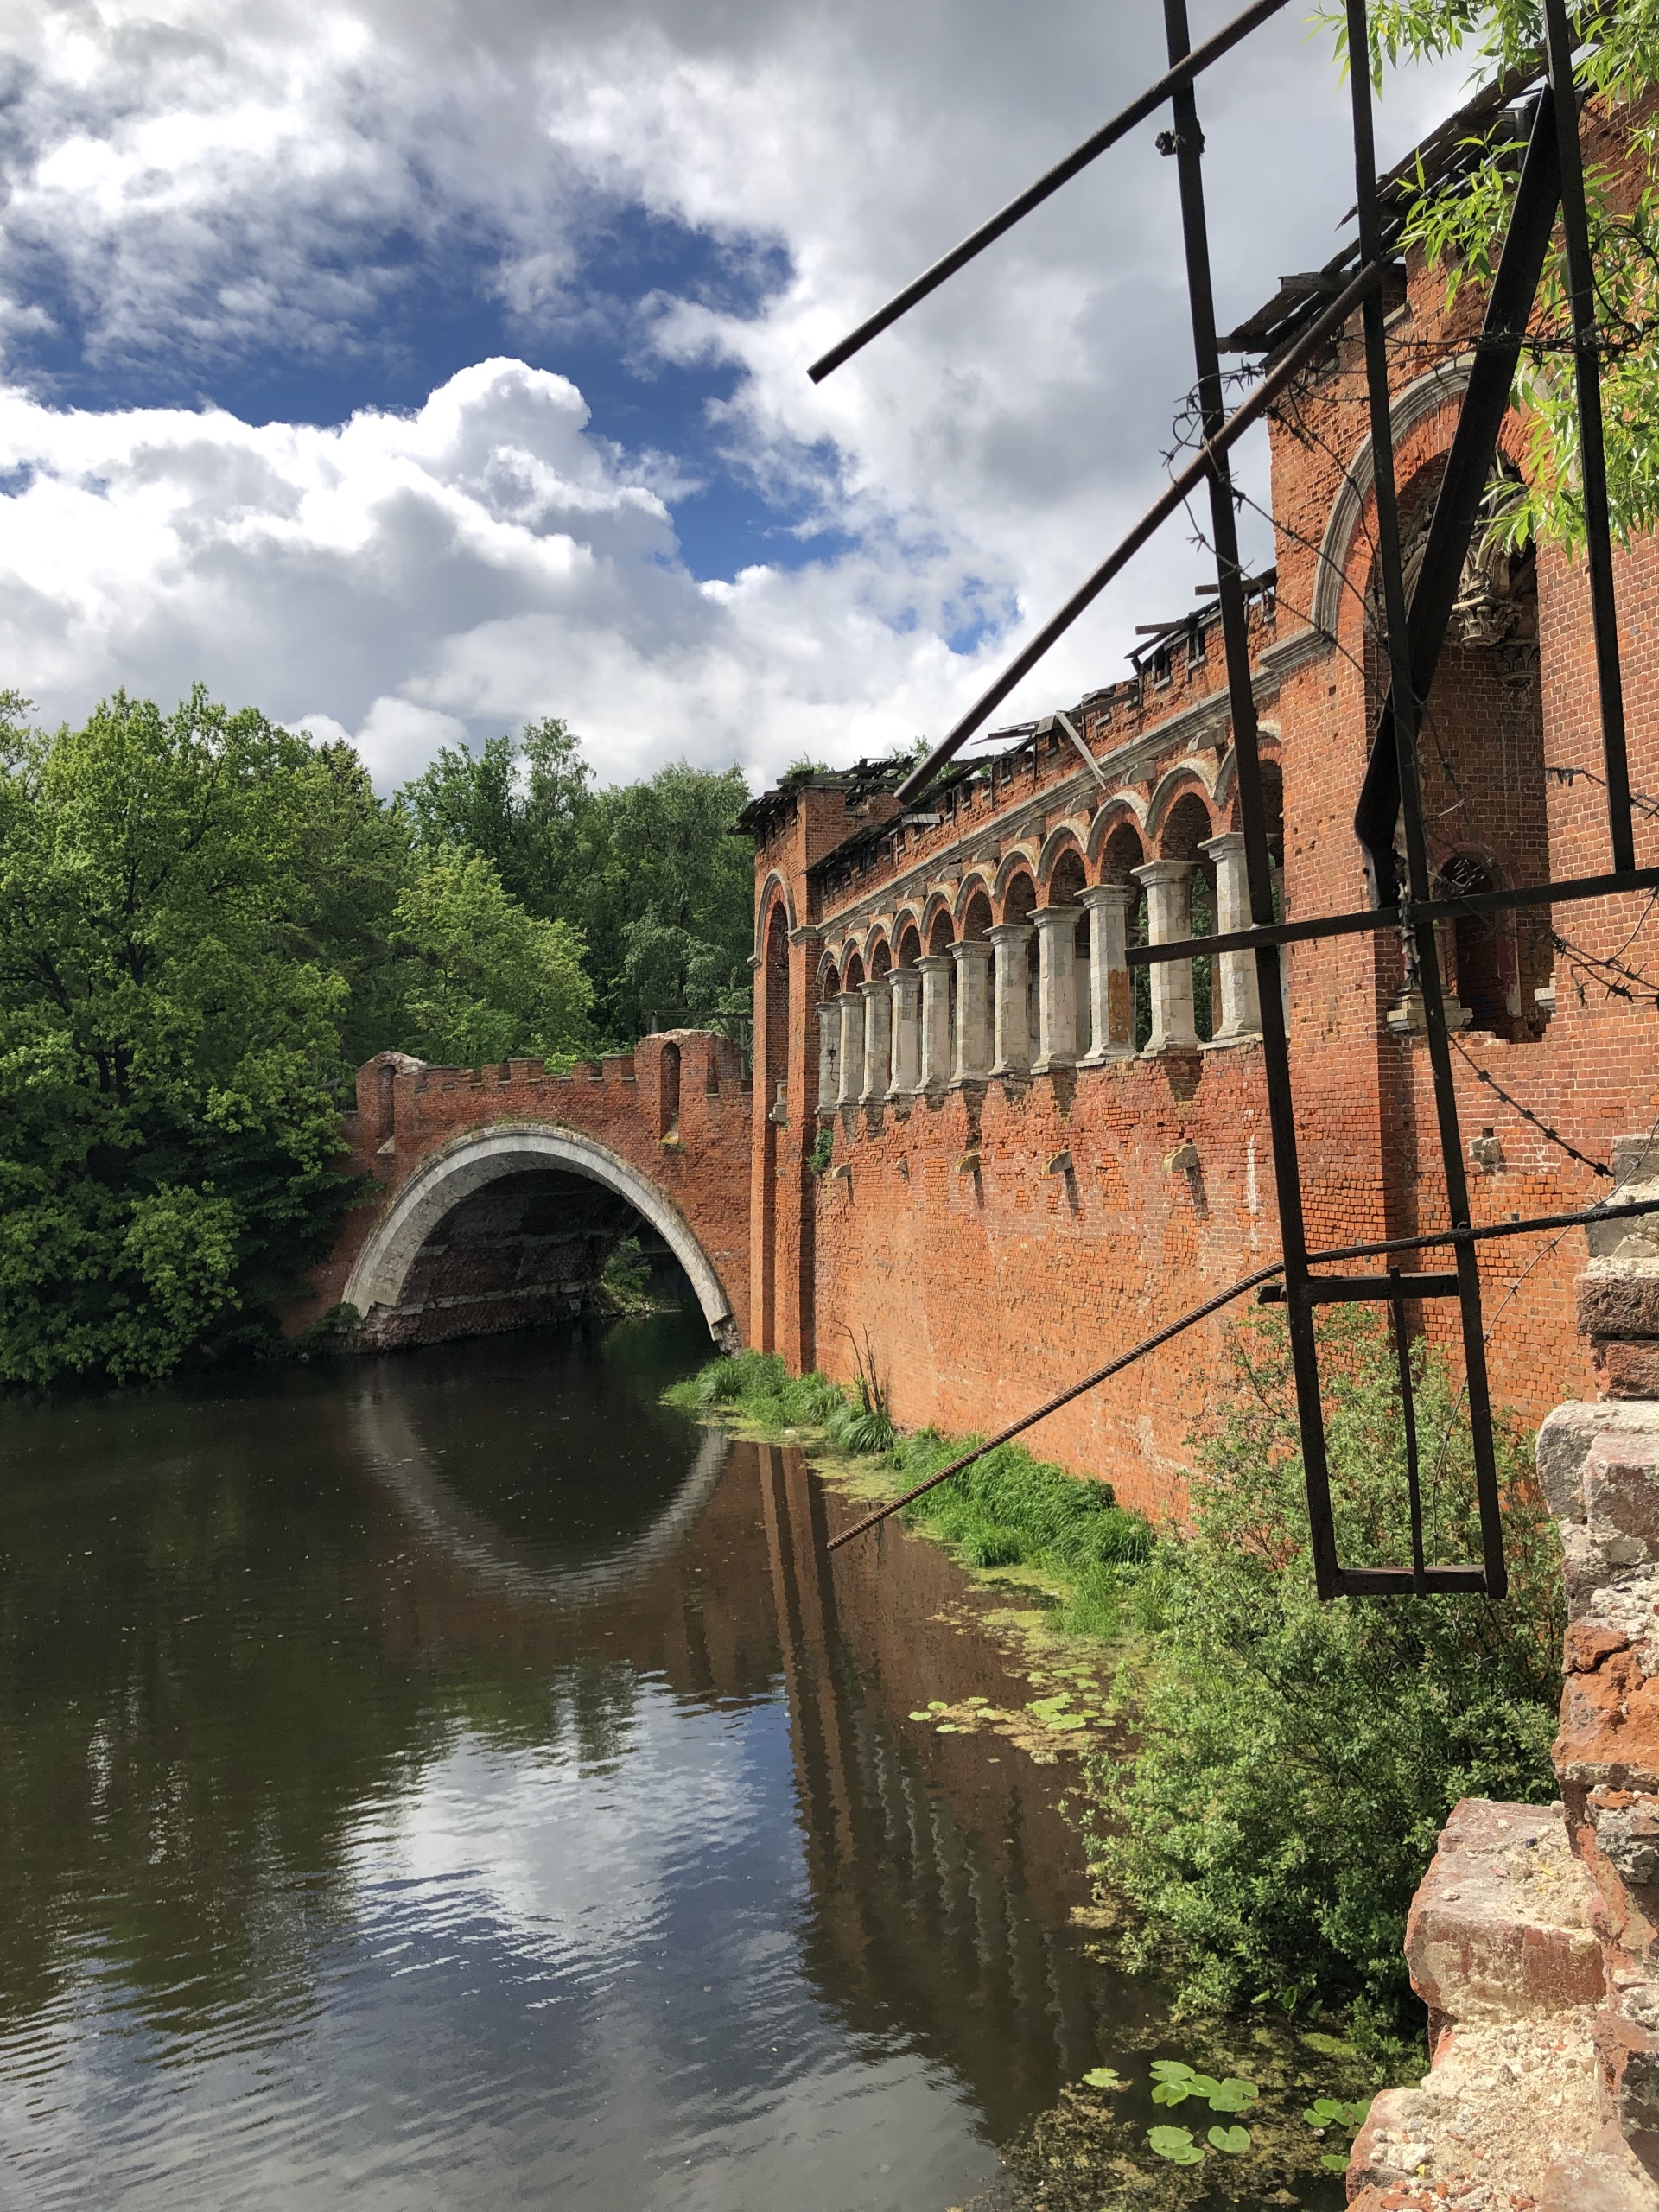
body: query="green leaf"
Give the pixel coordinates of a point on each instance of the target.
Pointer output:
(1230, 2140)
(1335, 2162)
(1233, 2095)
(1176, 2145)
(921, 1716)
(1172, 2092)
(1171, 2069)
(1105, 2077)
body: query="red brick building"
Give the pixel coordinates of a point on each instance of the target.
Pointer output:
(1031, 1160)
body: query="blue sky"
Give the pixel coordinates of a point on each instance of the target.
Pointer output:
(414, 372)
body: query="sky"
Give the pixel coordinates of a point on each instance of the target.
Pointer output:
(413, 373)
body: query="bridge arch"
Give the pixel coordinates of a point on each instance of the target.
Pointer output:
(483, 1156)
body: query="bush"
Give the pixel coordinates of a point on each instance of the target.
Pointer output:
(1298, 1759)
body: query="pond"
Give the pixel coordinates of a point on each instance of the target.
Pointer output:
(455, 1780)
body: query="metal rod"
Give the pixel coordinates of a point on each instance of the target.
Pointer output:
(1120, 126)
(1468, 472)
(1570, 889)
(1408, 705)
(1593, 455)
(1160, 1338)
(1181, 487)
(1408, 1416)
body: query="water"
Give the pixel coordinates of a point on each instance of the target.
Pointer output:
(456, 1781)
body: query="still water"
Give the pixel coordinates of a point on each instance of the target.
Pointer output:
(456, 1781)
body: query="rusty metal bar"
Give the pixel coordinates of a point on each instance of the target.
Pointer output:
(1570, 888)
(1181, 489)
(1139, 109)
(1592, 454)
(1350, 1579)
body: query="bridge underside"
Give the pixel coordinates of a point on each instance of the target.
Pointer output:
(528, 1248)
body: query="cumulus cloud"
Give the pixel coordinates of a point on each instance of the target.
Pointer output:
(192, 187)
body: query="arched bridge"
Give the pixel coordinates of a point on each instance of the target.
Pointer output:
(504, 1189)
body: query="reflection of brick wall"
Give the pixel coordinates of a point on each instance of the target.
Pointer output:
(406, 1111)
(983, 1292)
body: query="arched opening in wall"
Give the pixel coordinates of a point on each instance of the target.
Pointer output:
(881, 960)
(909, 946)
(668, 1092)
(1123, 853)
(977, 919)
(1482, 746)
(1017, 901)
(854, 973)
(1186, 827)
(534, 1245)
(1066, 879)
(940, 939)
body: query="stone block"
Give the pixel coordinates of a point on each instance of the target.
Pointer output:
(1628, 2057)
(1624, 1370)
(1500, 1924)
(1609, 1737)
(1617, 1300)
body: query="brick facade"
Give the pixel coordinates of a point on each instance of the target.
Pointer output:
(997, 1237)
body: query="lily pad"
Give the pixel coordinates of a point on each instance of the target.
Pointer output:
(1233, 2095)
(1230, 2140)
(921, 1716)
(1335, 2162)
(1105, 2077)
(1176, 2145)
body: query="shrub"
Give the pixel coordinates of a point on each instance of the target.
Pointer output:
(1298, 1759)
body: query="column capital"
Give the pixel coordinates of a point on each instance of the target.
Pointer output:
(972, 948)
(934, 963)
(1107, 895)
(1051, 918)
(1230, 840)
(1010, 933)
(849, 998)
(1152, 871)
(873, 984)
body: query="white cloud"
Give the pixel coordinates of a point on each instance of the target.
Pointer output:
(204, 183)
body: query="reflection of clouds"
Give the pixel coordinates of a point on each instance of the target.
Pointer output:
(390, 1443)
(571, 1866)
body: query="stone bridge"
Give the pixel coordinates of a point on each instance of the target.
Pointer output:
(504, 1189)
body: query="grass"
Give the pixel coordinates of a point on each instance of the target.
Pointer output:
(1009, 1510)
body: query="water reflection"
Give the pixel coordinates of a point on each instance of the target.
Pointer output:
(461, 1780)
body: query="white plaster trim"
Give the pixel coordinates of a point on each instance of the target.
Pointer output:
(1447, 381)
(481, 1157)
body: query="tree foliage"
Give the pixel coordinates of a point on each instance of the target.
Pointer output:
(1461, 226)
(1298, 1760)
(653, 875)
(207, 923)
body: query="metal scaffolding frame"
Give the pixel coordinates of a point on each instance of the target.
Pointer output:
(1390, 810)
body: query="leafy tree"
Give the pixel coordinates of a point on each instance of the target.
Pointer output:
(654, 875)
(486, 979)
(1298, 1760)
(1461, 226)
(171, 1019)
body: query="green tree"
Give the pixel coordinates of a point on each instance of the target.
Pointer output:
(171, 1021)
(1296, 1760)
(484, 979)
(655, 876)
(1461, 226)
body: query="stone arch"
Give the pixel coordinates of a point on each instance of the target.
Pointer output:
(1068, 837)
(774, 888)
(974, 912)
(907, 940)
(1442, 384)
(852, 969)
(829, 979)
(878, 952)
(1019, 860)
(483, 1156)
(937, 911)
(1226, 787)
(1189, 775)
(1122, 811)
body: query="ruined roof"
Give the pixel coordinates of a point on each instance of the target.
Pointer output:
(1493, 119)
(856, 783)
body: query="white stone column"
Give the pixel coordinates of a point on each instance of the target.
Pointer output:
(935, 969)
(1169, 920)
(973, 1057)
(1240, 1006)
(829, 1055)
(1056, 988)
(1082, 994)
(1012, 997)
(1111, 990)
(906, 1033)
(850, 1072)
(878, 1039)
